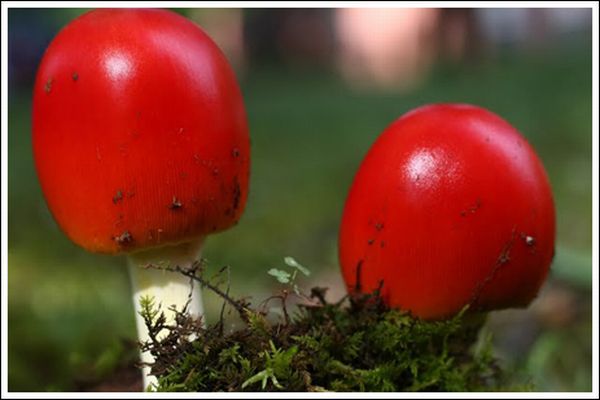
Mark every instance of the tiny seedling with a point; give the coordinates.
(289, 278)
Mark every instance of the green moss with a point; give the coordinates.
(355, 344)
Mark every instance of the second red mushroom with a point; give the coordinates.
(450, 207)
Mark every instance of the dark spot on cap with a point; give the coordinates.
(382, 244)
(235, 152)
(472, 209)
(118, 196)
(379, 226)
(75, 76)
(228, 211)
(175, 204)
(48, 85)
(237, 193)
(215, 171)
(370, 241)
(214, 227)
(124, 238)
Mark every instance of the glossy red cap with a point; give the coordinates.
(140, 135)
(451, 206)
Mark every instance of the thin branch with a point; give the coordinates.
(221, 316)
(357, 285)
(192, 273)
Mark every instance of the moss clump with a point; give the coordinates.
(355, 344)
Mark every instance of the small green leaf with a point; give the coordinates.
(261, 376)
(148, 309)
(282, 276)
(275, 382)
(230, 354)
(294, 264)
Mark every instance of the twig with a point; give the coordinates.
(282, 297)
(192, 273)
(221, 317)
(319, 293)
(357, 285)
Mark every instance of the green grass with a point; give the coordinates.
(309, 133)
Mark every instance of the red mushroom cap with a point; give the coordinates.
(451, 206)
(140, 135)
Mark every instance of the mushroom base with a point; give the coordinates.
(167, 289)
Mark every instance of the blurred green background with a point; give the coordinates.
(316, 100)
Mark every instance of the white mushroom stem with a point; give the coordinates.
(166, 287)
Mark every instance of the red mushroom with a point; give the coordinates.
(450, 207)
(141, 142)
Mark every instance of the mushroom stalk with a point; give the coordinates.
(168, 288)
